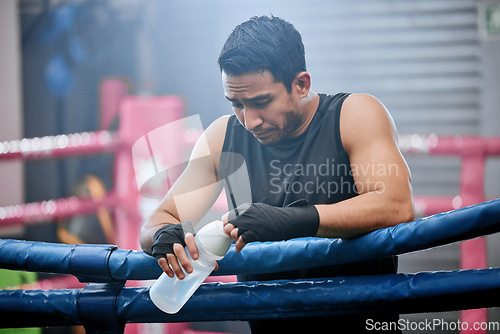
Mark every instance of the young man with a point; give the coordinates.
(318, 165)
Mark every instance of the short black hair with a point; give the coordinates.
(264, 43)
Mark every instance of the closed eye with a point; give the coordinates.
(262, 104)
(237, 105)
(260, 101)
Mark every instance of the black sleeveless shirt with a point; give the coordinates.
(313, 166)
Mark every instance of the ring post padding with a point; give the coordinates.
(97, 308)
(89, 263)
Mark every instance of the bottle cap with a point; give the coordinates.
(213, 238)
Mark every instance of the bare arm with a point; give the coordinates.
(190, 197)
(380, 173)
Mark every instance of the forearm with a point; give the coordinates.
(362, 214)
(158, 219)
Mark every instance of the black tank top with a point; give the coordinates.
(313, 166)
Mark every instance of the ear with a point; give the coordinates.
(302, 84)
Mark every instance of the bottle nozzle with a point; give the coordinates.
(213, 238)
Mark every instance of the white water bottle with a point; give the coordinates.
(170, 294)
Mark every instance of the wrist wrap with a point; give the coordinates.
(168, 235)
(262, 222)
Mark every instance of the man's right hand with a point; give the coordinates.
(168, 248)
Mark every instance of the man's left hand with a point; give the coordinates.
(262, 222)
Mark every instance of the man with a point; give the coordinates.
(318, 165)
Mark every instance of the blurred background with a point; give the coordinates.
(434, 64)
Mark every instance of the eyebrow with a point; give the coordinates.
(252, 99)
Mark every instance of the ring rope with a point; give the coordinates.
(402, 293)
(439, 229)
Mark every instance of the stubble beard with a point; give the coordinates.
(293, 120)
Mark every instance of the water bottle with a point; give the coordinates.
(170, 294)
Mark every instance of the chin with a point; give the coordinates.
(271, 140)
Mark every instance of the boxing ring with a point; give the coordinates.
(106, 305)
(110, 295)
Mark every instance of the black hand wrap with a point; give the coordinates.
(168, 235)
(262, 222)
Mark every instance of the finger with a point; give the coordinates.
(228, 228)
(234, 234)
(163, 263)
(183, 259)
(224, 218)
(216, 266)
(175, 265)
(239, 244)
(191, 245)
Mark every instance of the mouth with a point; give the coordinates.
(262, 134)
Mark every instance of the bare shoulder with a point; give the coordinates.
(219, 125)
(364, 118)
(216, 132)
(364, 109)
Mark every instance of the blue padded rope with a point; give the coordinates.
(93, 306)
(400, 293)
(39, 308)
(403, 293)
(89, 263)
(439, 229)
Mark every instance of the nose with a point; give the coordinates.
(252, 119)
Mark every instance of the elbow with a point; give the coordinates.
(408, 215)
(145, 240)
(406, 211)
(399, 211)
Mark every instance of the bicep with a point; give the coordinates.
(369, 135)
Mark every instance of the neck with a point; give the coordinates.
(308, 106)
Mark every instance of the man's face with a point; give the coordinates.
(263, 106)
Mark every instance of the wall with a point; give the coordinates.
(11, 173)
